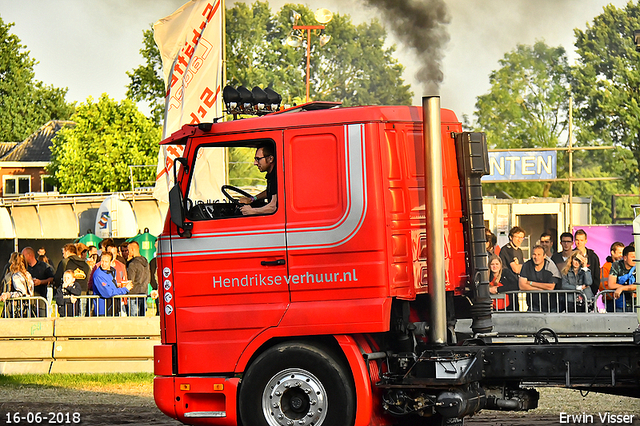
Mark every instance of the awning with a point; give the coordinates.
(149, 215)
(44, 221)
(6, 225)
(68, 217)
(58, 221)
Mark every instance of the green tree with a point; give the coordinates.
(598, 164)
(25, 103)
(606, 82)
(354, 67)
(526, 107)
(147, 83)
(528, 103)
(95, 155)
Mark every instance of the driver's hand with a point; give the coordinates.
(244, 200)
(247, 210)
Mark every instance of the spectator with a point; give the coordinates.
(616, 255)
(121, 275)
(43, 252)
(124, 256)
(593, 262)
(92, 250)
(501, 281)
(511, 254)
(566, 242)
(153, 276)
(539, 274)
(104, 243)
(622, 279)
(42, 275)
(66, 297)
(71, 260)
(92, 259)
(82, 250)
(138, 273)
(491, 243)
(121, 269)
(103, 282)
(547, 244)
(45, 259)
(576, 276)
(21, 286)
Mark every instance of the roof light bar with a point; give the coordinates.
(250, 102)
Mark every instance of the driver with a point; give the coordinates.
(265, 160)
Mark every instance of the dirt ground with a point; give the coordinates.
(135, 406)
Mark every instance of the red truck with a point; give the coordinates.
(338, 308)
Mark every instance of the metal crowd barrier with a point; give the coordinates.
(559, 301)
(545, 301)
(130, 305)
(26, 307)
(606, 302)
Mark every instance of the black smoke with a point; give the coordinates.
(421, 26)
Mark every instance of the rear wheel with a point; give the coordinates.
(297, 384)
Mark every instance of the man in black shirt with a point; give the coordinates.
(265, 161)
(560, 257)
(539, 274)
(511, 254)
(42, 275)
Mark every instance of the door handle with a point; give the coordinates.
(273, 262)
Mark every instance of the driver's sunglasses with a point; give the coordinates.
(258, 158)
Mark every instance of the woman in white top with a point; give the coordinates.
(21, 286)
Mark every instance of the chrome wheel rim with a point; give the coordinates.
(294, 397)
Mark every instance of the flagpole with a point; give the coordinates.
(224, 79)
(224, 43)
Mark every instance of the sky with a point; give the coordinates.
(88, 46)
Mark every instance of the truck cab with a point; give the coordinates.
(322, 311)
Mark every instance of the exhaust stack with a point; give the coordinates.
(434, 218)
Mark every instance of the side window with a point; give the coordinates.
(317, 193)
(16, 185)
(224, 181)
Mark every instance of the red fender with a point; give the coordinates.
(368, 413)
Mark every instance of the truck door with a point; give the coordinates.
(229, 283)
(333, 252)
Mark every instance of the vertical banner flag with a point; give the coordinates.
(190, 41)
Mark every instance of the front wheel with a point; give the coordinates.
(297, 383)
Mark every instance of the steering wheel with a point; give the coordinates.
(225, 188)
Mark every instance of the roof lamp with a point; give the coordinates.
(294, 40)
(324, 39)
(323, 15)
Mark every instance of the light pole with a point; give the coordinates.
(323, 16)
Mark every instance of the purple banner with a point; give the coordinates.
(600, 237)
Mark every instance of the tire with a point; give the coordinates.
(297, 383)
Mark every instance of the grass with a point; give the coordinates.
(123, 383)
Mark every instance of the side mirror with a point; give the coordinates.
(185, 165)
(177, 206)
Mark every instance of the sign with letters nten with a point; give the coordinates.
(521, 165)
